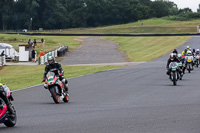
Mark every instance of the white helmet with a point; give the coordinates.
(179, 55)
(189, 52)
(197, 50)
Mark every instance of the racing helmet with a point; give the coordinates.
(179, 56)
(189, 53)
(188, 47)
(172, 56)
(51, 60)
(197, 51)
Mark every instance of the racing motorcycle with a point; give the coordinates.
(6, 117)
(189, 63)
(56, 88)
(181, 66)
(174, 74)
(197, 60)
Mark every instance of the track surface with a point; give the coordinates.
(133, 99)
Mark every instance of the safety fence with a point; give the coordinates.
(57, 53)
(2, 60)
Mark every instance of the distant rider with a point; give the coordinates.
(197, 52)
(191, 56)
(182, 60)
(185, 51)
(175, 52)
(57, 69)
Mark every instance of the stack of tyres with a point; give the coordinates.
(59, 53)
(62, 51)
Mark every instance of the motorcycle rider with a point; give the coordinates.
(3, 95)
(197, 52)
(172, 58)
(185, 51)
(57, 69)
(193, 52)
(175, 51)
(182, 60)
(190, 55)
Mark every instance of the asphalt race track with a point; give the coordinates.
(133, 99)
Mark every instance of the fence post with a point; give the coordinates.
(56, 55)
(1, 64)
(4, 60)
(45, 58)
(42, 59)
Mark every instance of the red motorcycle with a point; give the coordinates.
(6, 117)
(56, 88)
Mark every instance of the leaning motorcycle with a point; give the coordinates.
(6, 117)
(181, 67)
(197, 60)
(189, 62)
(174, 68)
(56, 88)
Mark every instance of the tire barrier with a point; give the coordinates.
(62, 51)
(57, 53)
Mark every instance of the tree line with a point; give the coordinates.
(63, 14)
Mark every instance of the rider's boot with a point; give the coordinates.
(66, 89)
(10, 109)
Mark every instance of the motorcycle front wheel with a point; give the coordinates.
(55, 96)
(11, 119)
(174, 78)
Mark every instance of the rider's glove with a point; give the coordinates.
(60, 74)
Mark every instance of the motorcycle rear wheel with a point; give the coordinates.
(189, 69)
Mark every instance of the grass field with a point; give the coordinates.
(16, 77)
(147, 48)
(150, 26)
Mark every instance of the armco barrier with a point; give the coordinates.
(57, 53)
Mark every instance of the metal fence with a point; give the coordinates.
(44, 59)
(2, 60)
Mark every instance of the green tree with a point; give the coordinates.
(6, 12)
(198, 10)
(185, 10)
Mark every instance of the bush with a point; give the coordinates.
(184, 16)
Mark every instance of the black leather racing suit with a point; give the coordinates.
(57, 69)
(169, 61)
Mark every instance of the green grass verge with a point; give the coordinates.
(147, 48)
(16, 77)
(150, 26)
(51, 42)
